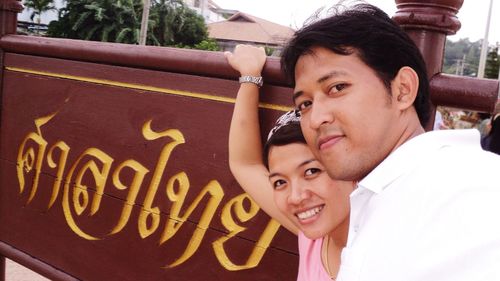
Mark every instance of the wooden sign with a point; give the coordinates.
(120, 173)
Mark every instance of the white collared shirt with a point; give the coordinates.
(430, 211)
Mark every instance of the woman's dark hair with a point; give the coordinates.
(289, 133)
(368, 32)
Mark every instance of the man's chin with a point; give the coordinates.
(339, 171)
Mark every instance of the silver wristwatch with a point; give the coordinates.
(252, 79)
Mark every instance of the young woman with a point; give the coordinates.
(287, 182)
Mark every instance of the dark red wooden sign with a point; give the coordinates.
(113, 165)
(116, 173)
(113, 158)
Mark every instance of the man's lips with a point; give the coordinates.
(328, 141)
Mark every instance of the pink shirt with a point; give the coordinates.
(310, 265)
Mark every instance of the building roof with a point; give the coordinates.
(213, 5)
(248, 28)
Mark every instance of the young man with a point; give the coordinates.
(427, 204)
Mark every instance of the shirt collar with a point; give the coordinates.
(414, 151)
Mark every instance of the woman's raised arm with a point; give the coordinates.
(245, 147)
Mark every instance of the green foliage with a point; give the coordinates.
(170, 23)
(269, 50)
(39, 7)
(207, 45)
(492, 64)
(455, 53)
(99, 20)
(191, 29)
(462, 58)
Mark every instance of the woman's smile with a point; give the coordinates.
(307, 214)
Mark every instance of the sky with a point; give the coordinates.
(473, 14)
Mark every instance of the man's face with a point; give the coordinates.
(348, 115)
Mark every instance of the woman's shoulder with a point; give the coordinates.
(310, 264)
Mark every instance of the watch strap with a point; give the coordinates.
(257, 80)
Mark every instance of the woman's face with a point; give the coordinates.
(305, 193)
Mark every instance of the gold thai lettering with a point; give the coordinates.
(64, 148)
(95, 166)
(215, 193)
(237, 205)
(27, 161)
(80, 191)
(140, 172)
(149, 212)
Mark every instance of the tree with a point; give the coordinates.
(208, 45)
(455, 53)
(99, 20)
(172, 23)
(39, 7)
(492, 64)
(472, 59)
(190, 28)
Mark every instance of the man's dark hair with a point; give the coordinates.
(288, 134)
(367, 31)
(493, 137)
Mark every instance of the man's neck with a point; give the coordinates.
(410, 131)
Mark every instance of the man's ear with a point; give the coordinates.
(405, 87)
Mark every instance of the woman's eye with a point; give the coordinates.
(312, 171)
(278, 183)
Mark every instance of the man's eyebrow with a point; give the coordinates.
(322, 79)
(331, 74)
(273, 175)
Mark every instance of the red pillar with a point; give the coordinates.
(8, 16)
(8, 25)
(428, 22)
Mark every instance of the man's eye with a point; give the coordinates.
(337, 88)
(312, 171)
(278, 184)
(302, 106)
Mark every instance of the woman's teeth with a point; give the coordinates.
(309, 213)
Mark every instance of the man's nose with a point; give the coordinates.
(320, 113)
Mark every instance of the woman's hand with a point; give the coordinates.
(247, 59)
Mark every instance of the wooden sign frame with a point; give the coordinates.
(113, 158)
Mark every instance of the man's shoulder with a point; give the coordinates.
(456, 149)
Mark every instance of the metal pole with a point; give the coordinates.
(144, 22)
(484, 48)
(463, 65)
(498, 53)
